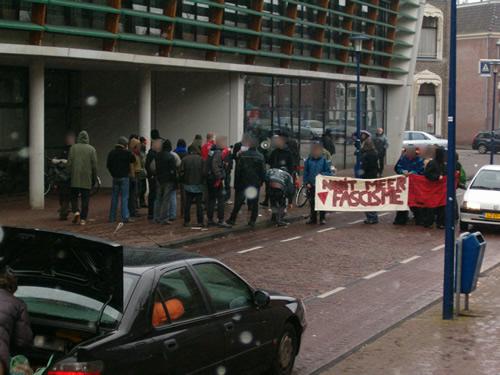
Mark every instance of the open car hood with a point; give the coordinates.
(84, 265)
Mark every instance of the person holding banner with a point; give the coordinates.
(409, 163)
(435, 170)
(315, 165)
(369, 170)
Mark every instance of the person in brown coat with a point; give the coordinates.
(15, 327)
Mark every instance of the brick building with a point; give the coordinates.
(478, 32)
(429, 101)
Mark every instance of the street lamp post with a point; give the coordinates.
(357, 41)
(493, 113)
(449, 250)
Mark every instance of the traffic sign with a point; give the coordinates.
(485, 66)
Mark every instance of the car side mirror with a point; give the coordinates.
(261, 298)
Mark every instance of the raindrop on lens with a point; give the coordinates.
(361, 172)
(23, 153)
(221, 370)
(14, 136)
(246, 337)
(251, 192)
(61, 254)
(91, 100)
(236, 317)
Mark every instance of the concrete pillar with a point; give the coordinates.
(145, 103)
(36, 134)
(237, 107)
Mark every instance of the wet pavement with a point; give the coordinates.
(426, 344)
(357, 281)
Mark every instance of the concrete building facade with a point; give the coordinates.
(478, 32)
(115, 67)
(429, 105)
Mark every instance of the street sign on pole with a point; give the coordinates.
(485, 67)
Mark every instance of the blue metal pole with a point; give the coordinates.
(358, 114)
(493, 115)
(449, 253)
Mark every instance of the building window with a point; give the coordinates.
(428, 40)
(431, 37)
(306, 109)
(425, 119)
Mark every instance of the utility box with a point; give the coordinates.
(473, 247)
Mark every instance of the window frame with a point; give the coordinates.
(207, 294)
(152, 296)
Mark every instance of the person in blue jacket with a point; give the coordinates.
(315, 165)
(409, 163)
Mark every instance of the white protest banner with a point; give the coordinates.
(351, 194)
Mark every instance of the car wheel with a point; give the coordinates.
(464, 227)
(286, 352)
(482, 149)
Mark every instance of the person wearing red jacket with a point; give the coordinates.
(205, 149)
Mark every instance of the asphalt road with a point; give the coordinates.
(357, 280)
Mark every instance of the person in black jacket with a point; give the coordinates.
(434, 171)
(248, 178)
(166, 178)
(215, 177)
(64, 180)
(150, 166)
(369, 168)
(280, 157)
(193, 178)
(120, 165)
(15, 328)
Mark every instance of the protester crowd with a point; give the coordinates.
(161, 177)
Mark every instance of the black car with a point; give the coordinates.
(482, 142)
(100, 308)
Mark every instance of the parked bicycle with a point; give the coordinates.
(56, 173)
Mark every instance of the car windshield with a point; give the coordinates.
(487, 180)
(64, 304)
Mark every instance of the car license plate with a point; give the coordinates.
(491, 215)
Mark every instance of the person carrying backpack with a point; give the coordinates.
(281, 190)
(215, 189)
(315, 165)
(166, 176)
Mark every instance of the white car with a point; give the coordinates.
(422, 139)
(481, 204)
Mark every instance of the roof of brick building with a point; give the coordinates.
(479, 17)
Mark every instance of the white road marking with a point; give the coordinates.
(411, 259)
(356, 222)
(384, 214)
(375, 274)
(291, 239)
(326, 229)
(331, 292)
(248, 250)
(438, 248)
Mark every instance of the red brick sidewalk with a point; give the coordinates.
(428, 345)
(15, 211)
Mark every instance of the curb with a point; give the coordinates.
(225, 233)
(383, 332)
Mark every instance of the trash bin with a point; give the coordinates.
(473, 247)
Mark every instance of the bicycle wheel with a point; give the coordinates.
(301, 198)
(47, 184)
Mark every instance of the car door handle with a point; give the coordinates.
(229, 326)
(171, 345)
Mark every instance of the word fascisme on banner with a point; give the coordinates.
(351, 194)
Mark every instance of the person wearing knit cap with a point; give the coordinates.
(120, 164)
